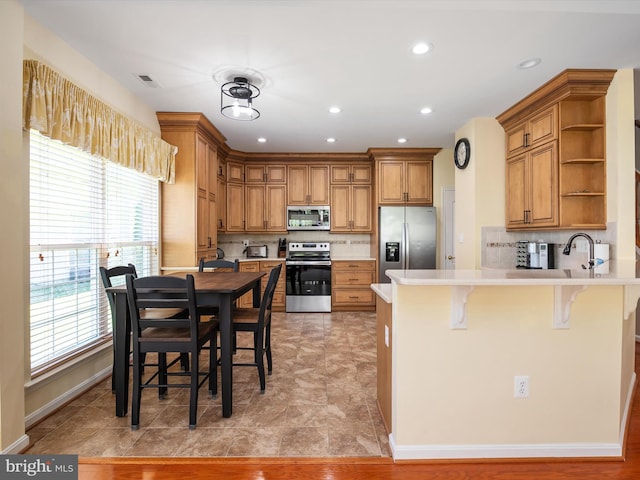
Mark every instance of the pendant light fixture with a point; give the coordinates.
(236, 99)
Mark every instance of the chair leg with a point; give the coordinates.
(136, 394)
(213, 365)
(267, 348)
(193, 398)
(259, 358)
(184, 362)
(162, 377)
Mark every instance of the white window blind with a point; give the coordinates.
(84, 212)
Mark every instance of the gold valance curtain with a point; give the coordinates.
(62, 111)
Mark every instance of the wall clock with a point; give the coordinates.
(461, 153)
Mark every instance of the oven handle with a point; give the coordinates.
(308, 262)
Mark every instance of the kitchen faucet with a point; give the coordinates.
(567, 249)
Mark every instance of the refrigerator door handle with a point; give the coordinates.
(405, 240)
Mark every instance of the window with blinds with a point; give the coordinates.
(85, 212)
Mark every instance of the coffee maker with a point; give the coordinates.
(535, 255)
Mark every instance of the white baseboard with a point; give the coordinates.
(69, 395)
(17, 446)
(550, 450)
(459, 452)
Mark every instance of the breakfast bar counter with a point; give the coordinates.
(509, 363)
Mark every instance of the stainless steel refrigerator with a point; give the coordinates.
(407, 238)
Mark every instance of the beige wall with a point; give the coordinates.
(621, 162)
(14, 183)
(453, 390)
(480, 189)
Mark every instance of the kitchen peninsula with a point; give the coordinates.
(507, 363)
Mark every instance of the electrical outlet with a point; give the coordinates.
(245, 243)
(521, 386)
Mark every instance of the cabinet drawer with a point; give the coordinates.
(249, 267)
(353, 278)
(352, 266)
(353, 296)
(268, 265)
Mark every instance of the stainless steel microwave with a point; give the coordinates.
(310, 217)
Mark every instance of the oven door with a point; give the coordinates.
(308, 286)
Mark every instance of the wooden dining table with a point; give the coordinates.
(219, 289)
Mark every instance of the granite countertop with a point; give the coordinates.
(622, 274)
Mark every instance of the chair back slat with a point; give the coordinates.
(162, 302)
(219, 265)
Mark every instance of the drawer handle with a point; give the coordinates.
(353, 279)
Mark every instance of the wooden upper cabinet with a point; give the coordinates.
(265, 209)
(539, 129)
(308, 184)
(532, 188)
(405, 182)
(235, 172)
(354, 173)
(555, 149)
(261, 173)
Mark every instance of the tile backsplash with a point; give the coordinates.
(499, 246)
(342, 245)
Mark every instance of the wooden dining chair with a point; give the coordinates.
(106, 274)
(258, 322)
(167, 332)
(219, 265)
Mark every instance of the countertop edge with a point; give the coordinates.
(383, 290)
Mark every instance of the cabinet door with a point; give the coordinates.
(297, 186)
(419, 183)
(544, 185)
(361, 174)
(543, 128)
(340, 208)
(275, 207)
(515, 191)
(391, 182)
(361, 208)
(221, 205)
(202, 193)
(235, 172)
(235, 207)
(254, 211)
(254, 174)
(318, 185)
(340, 174)
(276, 173)
(515, 138)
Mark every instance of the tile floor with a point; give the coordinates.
(319, 401)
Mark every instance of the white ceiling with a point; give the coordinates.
(307, 55)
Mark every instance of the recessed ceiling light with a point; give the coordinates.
(262, 140)
(421, 48)
(402, 140)
(529, 63)
(331, 140)
(335, 109)
(425, 111)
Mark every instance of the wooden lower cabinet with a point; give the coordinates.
(351, 285)
(246, 301)
(383, 350)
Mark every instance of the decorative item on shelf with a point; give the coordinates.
(236, 99)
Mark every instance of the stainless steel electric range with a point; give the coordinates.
(308, 275)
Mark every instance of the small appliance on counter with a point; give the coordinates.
(282, 248)
(535, 255)
(256, 251)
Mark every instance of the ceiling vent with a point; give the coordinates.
(148, 81)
